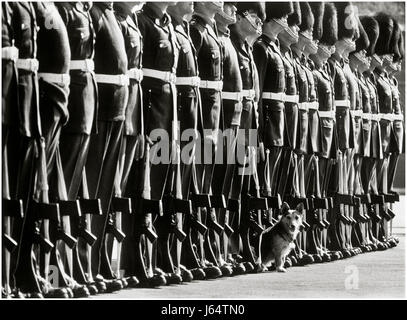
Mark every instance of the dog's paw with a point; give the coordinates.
(281, 269)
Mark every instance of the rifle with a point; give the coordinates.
(119, 206)
(88, 208)
(12, 209)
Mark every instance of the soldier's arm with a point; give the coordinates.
(96, 16)
(197, 38)
(63, 12)
(260, 59)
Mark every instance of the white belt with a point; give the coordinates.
(207, 84)
(58, 78)
(117, 79)
(386, 116)
(188, 81)
(375, 117)
(398, 117)
(367, 116)
(313, 105)
(135, 74)
(237, 96)
(291, 98)
(327, 114)
(9, 53)
(273, 96)
(356, 113)
(84, 65)
(342, 103)
(27, 64)
(165, 76)
(303, 106)
(248, 94)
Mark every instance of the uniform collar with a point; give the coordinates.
(224, 31)
(204, 19)
(156, 16)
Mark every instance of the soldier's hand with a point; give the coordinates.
(140, 146)
(261, 154)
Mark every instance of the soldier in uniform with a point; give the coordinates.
(385, 105)
(298, 103)
(131, 151)
(31, 274)
(12, 206)
(397, 127)
(319, 123)
(188, 103)
(337, 62)
(272, 85)
(160, 58)
(104, 148)
(358, 64)
(208, 51)
(369, 165)
(398, 120)
(327, 36)
(229, 122)
(250, 17)
(82, 108)
(305, 160)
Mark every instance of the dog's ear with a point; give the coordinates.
(300, 207)
(285, 208)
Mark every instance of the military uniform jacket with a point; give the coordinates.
(208, 50)
(355, 104)
(110, 58)
(160, 52)
(9, 93)
(376, 147)
(343, 121)
(385, 99)
(366, 107)
(188, 104)
(297, 125)
(133, 41)
(82, 100)
(314, 132)
(398, 125)
(325, 95)
(25, 32)
(232, 82)
(248, 72)
(270, 67)
(54, 56)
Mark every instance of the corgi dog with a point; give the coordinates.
(276, 242)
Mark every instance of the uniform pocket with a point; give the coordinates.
(164, 55)
(215, 59)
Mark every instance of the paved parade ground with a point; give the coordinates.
(371, 275)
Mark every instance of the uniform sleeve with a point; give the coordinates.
(197, 38)
(260, 60)
(96, 18)
(63, 12)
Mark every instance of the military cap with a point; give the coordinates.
(277, 10)
(347, 24)
(362, 43)
(256, 7)
(307, 17)
(385, 32)
(295, 17)
(317, 9)
(329, 26)
(371, 27)
(394, 41)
